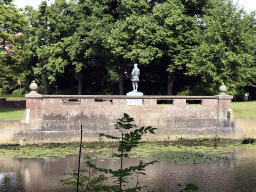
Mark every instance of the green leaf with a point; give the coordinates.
(191, 186)
(126, 115)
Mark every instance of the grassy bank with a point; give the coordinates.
(243, 109)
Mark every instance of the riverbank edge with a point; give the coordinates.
(10, 127)
(114, 143)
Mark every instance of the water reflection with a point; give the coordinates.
(9, 181)
(21, 174)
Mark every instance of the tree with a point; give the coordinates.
(39, 39)
(85, 25)
(226, 52)
(178, 37)
(123, 35)
(14, 51)
(64, 22)
(48, 27)
(164, 34)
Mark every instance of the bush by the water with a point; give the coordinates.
(248, 141)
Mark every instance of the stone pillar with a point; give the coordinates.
(32, 115)
(224, 103)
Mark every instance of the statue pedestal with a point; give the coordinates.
(134, 101)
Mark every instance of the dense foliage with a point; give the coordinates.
(227, 49)
(183, 47)
(14, 51)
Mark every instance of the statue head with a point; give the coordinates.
(135, 65)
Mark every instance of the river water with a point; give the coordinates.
(44, 175)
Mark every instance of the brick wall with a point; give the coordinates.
(35, 108)
(12, 104)
(59, 117)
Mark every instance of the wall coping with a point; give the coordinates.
(131, 97)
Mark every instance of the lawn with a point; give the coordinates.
(13, 97)
(242, 109)
(11, 113)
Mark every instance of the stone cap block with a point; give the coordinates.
(224, 96)
(129, 97)
(33, 94)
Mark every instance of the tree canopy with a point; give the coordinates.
(184, 44)
(14, 51)
(227, 48)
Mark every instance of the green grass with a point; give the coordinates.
(244, 109)
(13, 97)
(11, 113)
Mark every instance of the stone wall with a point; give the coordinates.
(58, 118)
(12, 104)
(246, 127)
(8, 129)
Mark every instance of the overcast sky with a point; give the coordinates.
(249, 5)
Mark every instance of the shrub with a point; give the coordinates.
(216, 137)
(40, 89)
(204, 139)
(23, 91)
(126, 143)
(3, 91)
(228, 115)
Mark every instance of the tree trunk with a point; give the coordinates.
(80, 85)
(170, 82)
(121, 83)
(121, 77)
(46, 83)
